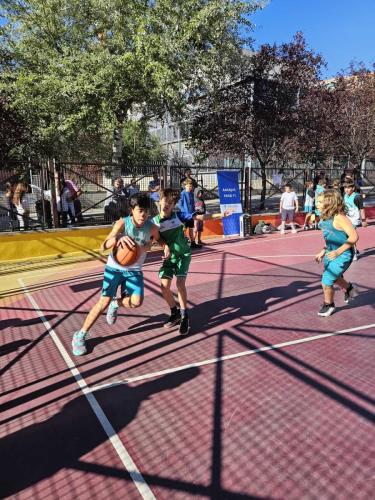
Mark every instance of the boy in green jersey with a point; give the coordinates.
(171, 228)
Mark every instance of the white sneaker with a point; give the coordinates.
(282, 231)
(294, 231)
(111, 316)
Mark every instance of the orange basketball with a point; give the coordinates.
(126, 255)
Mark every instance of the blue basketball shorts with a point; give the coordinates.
(131, 282)
(334, 269)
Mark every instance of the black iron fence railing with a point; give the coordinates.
(46, 194)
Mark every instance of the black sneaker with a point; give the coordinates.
(173, 320)
(195, 245)
(327, 310)
(184, 326)
(350, 293)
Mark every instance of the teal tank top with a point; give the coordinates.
(140, 235)
(334, 238)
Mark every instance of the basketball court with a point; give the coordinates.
(263, 400)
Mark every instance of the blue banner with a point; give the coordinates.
(230, 198)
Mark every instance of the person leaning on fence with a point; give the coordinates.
(66, 205)
(20, 203)
(288, 208)
(75, 193)
(116, 206)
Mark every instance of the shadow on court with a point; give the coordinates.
(13, 346)
(41, 450)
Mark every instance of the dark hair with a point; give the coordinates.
(172, 195)
(288, 185)
(139, 200)
(348, 184)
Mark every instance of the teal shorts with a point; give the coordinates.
(334, 269)
(175, 266)
(131, 282)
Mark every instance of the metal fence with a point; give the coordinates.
(41, 185)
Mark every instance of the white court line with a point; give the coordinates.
(231, 356)
(120, 449)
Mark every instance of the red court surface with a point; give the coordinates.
(263, 400)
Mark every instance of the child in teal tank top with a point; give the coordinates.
(136, 229)
(340, 236)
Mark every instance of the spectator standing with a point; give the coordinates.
(154, 190)
(116, 205)
(200, 209)
(187, 205)
(288, 208)
(20, 202)
(133, 187)
(75, 193)
(188, 177)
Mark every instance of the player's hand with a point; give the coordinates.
(167, 253)
(228, 212)
(126, 240)
(332, 255)
(364, 224)
(320, 255)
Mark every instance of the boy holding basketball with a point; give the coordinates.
(178, 256)
(137, 229)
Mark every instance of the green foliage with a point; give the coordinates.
(75, 68)
(139, 145)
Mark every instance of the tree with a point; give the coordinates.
(83, 65)
(13, 132)
(353, 128)
(259, 115)
(139, 145)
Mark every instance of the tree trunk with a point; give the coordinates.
(264, 186)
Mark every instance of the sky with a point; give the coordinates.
(340, 30)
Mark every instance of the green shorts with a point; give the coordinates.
(175, 266)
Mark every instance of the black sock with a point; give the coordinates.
(183, 313)
(174, 310)
(350, 286)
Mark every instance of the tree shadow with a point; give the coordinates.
(41, 450)
(19, 323)
(13, 346)
(219, 311)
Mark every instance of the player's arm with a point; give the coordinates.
(157, 238)
(296, 202)
(342, 223)
(114, 236)
(216, 216)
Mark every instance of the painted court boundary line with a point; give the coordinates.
(117, 444)
(270, 347)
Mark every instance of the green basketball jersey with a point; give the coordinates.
(172, 231)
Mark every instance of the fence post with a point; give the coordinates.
(51, 165)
